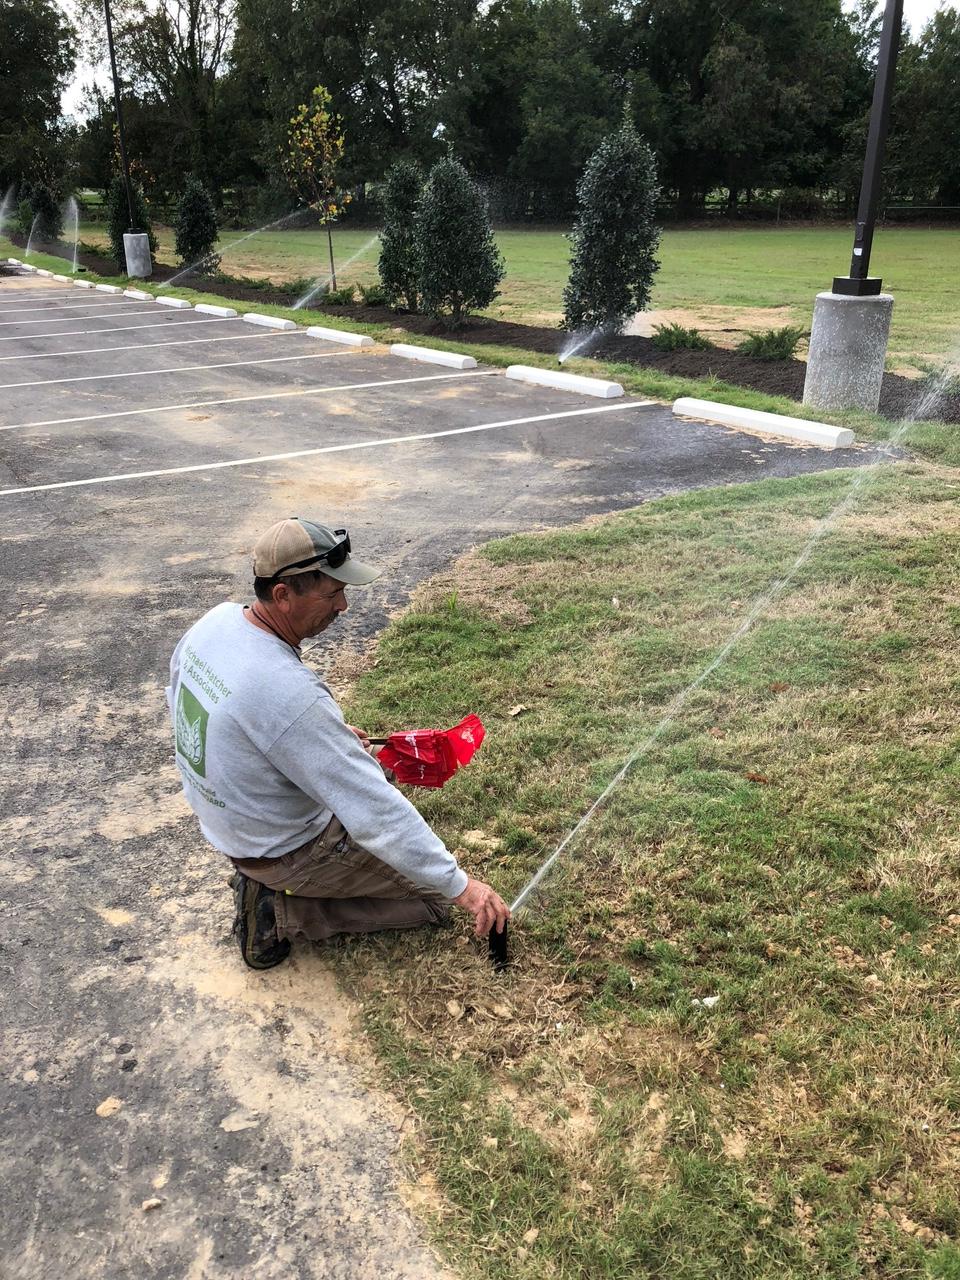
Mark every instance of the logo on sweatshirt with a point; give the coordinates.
(192, 731)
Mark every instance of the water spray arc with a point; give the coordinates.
(322, 284)
(33, 226)
(860, 478)
(72, 215)
(219, 252)
(578, 342)
(6, 205)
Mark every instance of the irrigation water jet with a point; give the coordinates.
(922, 408)
(268, 226)
(33, 227)
(578, 341)
(322, 284)
(5, 205)
(72, 214)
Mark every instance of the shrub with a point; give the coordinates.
(615, 236)
(674, 337)
(460, 264)
(339, 297)
(25, 216)
(46, 211)
(296, 287)
(373, 295)
(399, 264)
(195, 228)
(118, 220)
(773, 344)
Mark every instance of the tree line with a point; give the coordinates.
(740, 98)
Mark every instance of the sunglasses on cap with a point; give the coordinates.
(334, 557)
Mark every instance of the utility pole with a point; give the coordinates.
(851, 323)
(136, 243)
(859, 282)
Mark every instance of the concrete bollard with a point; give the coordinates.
(136, 250)
(848, 346)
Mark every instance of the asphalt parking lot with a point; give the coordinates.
(142, 449)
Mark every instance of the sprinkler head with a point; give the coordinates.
(498, 948)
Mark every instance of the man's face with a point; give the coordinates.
(317, 608)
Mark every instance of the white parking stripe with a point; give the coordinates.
(181, 368)
(619, 407)
(72, 319)
(73, 333)
(30, 295)
(269, 395)
(65, 306)
(150, 346)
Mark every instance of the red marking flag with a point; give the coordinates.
(429, 757)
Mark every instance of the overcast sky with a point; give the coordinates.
(915, 14)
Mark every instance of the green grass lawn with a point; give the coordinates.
(789, 847)
(719, 278)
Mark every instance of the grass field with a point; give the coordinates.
(789, 849)
(724, 280)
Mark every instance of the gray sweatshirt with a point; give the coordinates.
(267, 760)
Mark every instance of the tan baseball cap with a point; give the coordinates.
(300, 546)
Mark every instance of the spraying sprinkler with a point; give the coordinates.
(498, 948)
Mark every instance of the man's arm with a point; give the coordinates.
(484, 904)
(322, 756)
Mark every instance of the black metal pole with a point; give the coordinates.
(859, 283)
(119, 109)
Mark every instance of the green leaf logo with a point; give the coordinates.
(192, 731)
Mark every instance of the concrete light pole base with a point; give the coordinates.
(136, 249)
(848, 346)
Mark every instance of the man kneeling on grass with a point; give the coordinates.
(321, 841)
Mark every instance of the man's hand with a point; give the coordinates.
(362, 735)
(485, 905)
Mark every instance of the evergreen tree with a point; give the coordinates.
(399, 263)
(924, 154)
(461, 265)
(195, 227)
(24, 215)
(48, 219)
(119, 219)
(615, 236)
(38, 48)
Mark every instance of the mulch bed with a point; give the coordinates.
(898, 396)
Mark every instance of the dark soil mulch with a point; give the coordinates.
(898, 396)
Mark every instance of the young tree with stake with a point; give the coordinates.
(314, 151)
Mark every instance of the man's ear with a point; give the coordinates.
(280, 594)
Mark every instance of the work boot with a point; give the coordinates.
(256, 924)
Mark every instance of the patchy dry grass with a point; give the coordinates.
(789, 846)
